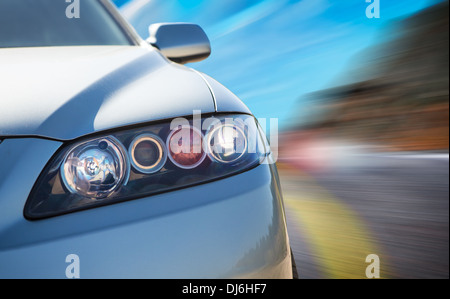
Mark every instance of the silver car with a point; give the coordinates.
(117, 161)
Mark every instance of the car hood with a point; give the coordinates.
(67, 92)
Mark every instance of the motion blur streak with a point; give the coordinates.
(378, 143)
(279, 50)
(334, 231)
(363, 105)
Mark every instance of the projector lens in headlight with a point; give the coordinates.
(226, 143)
(185, 145)
(95, 169)
(148, 154)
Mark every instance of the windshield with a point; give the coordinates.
(40, 23)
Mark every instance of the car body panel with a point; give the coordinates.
(225, 100)
(67, 92)
(206, 231)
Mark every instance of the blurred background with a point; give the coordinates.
(362, 106)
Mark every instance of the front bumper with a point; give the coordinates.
(232, 228)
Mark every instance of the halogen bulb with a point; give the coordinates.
(227, 137)
(91, 166)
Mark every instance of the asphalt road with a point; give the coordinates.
(394, 206)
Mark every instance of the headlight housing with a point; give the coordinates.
(143, 161)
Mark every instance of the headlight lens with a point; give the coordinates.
(95, 169)
(143, 161)
(226, 143)
(148, 154)
(185, 146)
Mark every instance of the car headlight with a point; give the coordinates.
(96, 168)
(139, 162)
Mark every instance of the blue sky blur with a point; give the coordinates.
(270, 53)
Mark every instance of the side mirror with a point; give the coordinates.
(180, 42)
